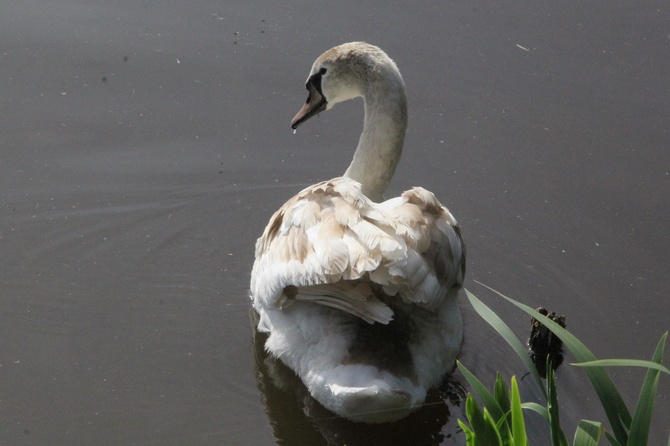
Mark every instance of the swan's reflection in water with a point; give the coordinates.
(298, 419)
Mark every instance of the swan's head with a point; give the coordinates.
(345, 72)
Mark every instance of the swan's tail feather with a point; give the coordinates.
(373, 404)
(356, 298)
(365, 394)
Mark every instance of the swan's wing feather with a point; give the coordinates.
(330, 238)
(356, 298)
(435, 259)
(311, 241)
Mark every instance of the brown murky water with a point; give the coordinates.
(144, 145)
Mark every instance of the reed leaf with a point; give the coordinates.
(518, 425)
(613, 441)
(482, 392)
(484, 431)
(639, 427)
(469, 434)
(588, 433)
(540, 410)
(501, 394)
(508, 335)
(558, 438)
(624, 363)
(612, 402)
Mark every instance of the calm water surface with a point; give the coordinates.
(144, 145)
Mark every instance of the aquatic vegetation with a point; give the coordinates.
(501, 421)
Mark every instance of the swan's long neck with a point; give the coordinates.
(380, 145)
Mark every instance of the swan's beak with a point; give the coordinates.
(314, 105)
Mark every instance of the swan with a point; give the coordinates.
(359, 295)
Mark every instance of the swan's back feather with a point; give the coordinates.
(329, 241)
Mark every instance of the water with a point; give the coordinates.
(145, 145)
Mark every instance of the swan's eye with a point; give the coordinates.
(315, 80)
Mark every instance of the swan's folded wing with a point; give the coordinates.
(331, 233)
(435, 258)
(322, 236)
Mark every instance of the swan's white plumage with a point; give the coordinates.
(331, 232)
(332, 262)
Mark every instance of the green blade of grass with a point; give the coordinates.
(624, 363)
(483, 426)
(615, 408)
(482, 392)
(500, 393)
(613, 441)
(558, 438)
(508, 335)
(492, 434)
(639, 427)
(501, 424)
(469, 435)
(588, 433)
(540, 410)
(518, 424)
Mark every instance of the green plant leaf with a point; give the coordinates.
(483, 428)
(623, 363)
(491, 435)
(615, 408)
(540, 410)
(558, 438)
(587, 433)
(501, 423)
(640, 425)
(482, 392)
(473, 412)
(613, 441)
(501, 394)
(507, 334)
(518, 424)
(469, 435)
